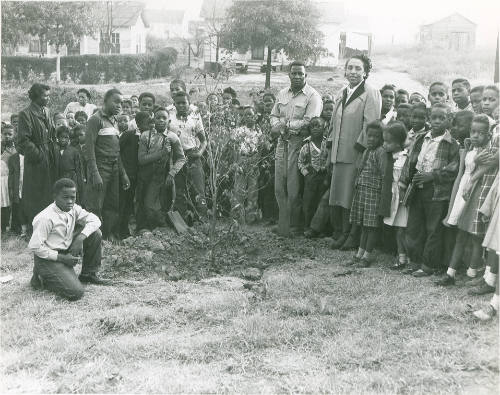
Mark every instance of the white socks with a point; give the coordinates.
(360, 253)
(403, 259)
(471, 272)
(451, 272)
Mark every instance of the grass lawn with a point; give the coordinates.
(308, 327)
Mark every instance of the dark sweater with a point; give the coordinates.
(129, 147)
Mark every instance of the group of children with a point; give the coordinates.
(428, 174)
(431, 175)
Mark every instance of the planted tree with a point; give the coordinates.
(288, 25)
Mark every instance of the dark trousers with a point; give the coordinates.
(313, 191)
(104, 201)
(424, 234)
(18, 217)
(126, 204)
(61, 279)
(322, 220)
(5, 220)
(190, 188)
(268, 203)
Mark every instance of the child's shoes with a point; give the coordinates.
(445, 281)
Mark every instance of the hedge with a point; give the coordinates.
(92, 69)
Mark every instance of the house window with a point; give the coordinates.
(74, 49)
(115, 44)
(34, 45)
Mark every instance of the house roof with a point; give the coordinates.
(126, 13)
(167, 17)
(450, 16)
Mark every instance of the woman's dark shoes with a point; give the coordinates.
(337, 243)
(349, 244)
(353, 261)
(311, 234)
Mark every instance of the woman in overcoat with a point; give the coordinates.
(36, 140)
(356, 105)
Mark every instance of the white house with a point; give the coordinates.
(342, 35)
(167, 24)
(128, 35)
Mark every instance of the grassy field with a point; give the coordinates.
(428, 65)
(309, 326)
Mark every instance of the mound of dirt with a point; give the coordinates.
(240, 252)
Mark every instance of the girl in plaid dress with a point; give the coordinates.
(471, 226)
(367, 194)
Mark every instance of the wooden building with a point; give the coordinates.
(454, 32)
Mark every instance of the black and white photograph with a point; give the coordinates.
(249, 197)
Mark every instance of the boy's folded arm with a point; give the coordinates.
(37, 243)
(178, 157)
(90, 221)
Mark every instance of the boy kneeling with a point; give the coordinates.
(62, 233)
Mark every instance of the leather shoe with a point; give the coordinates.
(421, 273)
(337, 243)
(445, 281)
(364, 263)
(310, 234)
(354, 260)
(483, 289)
(92, 278)
(349, 244)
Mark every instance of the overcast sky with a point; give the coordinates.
(394, 19)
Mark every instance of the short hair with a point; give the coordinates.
(231, 91)
(298, 63)
(462, 81)
(388, 87)
(397, 131)
(147, 94)
(317, 119)
(142, 116)
(269, 94)
(6, 126)
(443, 106)
(159, 108)
(376, 125)
(62, 130)
(58, 115)
(328, 102)
(180, 94)
(36, 90)
(248, 108)
(78, 127)
(127, 101)
(87, 93)
(479, 88)
(235, 102)
(177, 81)
(122, 115)
(12, 116)
(493, 88)
(62, 183)
(83, 114)
(468, 115)
(402, 92)
(418, 106)
(137, 97)
(482, 118)
(367, 63)
(405, 106)
(439, 83)
(111, 92)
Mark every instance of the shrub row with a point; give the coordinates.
(92, 69)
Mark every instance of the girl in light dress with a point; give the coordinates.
(394, 141)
